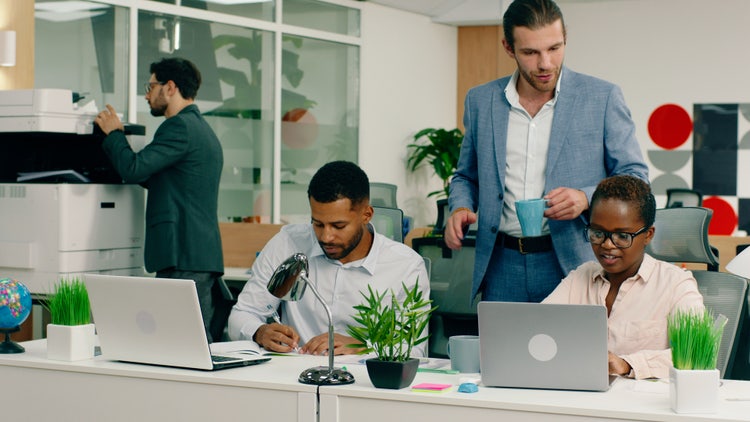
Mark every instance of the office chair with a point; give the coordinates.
(383, 195)
(450, 290)
(678, 197)
(682, 236)
(389, 222)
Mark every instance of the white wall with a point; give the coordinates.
(408, 83)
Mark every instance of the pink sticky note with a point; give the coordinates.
(430, 386)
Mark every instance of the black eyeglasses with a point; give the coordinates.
(622, 240)
(150, 85)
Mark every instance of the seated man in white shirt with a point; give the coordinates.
(345, 255)
(638, 290)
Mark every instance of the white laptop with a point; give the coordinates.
(548, 346)
(154, 321)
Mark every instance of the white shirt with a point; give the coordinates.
(526, 155)
(387, 265)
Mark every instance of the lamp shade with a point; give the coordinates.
(740, 264)
(7, 48)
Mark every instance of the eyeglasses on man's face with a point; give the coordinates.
(622, 240)
(150, 85)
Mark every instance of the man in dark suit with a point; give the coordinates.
(181, 168)
(543, 132)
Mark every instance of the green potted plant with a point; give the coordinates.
(391, 329)
(70, 334)
(440, 148)
(694, 338)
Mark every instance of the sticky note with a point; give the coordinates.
(430, 387)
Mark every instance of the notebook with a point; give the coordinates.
(548, 346)
(154, 321)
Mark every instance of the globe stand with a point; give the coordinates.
(10, 346)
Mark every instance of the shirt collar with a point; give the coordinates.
(368, 263)
(644, 272)
(511, 93)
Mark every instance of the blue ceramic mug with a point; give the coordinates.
(530, 214)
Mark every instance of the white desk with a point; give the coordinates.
(34, 388)
(626, 400)
(101, 390)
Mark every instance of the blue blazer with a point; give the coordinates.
(592, 137)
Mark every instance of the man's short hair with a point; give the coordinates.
(628, 189)
(182, 72)
(338, 180)
(532, 14)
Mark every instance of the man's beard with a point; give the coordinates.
(347, 248)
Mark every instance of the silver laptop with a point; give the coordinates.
(549, 346)
(154, 321)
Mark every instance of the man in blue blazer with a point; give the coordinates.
(545, 131)
(181, 168)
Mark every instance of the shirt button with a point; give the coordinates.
(493, 229)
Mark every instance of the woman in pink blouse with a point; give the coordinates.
(638, 290)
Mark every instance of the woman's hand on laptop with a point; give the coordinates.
(277, 338)
(618, 365)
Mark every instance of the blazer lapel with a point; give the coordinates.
(564, 113)
(500, 116)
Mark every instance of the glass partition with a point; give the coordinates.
(87, 50)
(320, 115)
(84, 49)
(236, 98)
(322, 16)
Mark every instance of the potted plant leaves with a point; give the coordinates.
(440, 148)
(694, 338)
(70, 334)
(391, 329)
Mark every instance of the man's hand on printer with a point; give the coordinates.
(108, 120)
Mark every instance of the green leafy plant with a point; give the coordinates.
(69, 303)
(440, 148)
(391, 330)
(694, 337)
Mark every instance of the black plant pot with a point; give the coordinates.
(393, 375)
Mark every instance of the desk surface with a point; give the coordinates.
(100, 389)
(626, 400)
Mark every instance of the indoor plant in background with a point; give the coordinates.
(391, 329)
(440, 148)
(70, 335)
(694, 338)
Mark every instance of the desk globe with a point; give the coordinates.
(15, 307)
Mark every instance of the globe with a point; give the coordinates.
(15, 303)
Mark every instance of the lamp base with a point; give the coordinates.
(323, 375)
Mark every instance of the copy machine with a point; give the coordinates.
(63, 208)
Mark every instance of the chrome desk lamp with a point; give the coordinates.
(288, 283)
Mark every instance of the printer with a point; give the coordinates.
(64, 210)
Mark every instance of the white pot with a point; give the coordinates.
(70, 342)
(694, 391)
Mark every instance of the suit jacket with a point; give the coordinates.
(592, 137)
(181, 169)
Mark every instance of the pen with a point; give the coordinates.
(275, 314)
